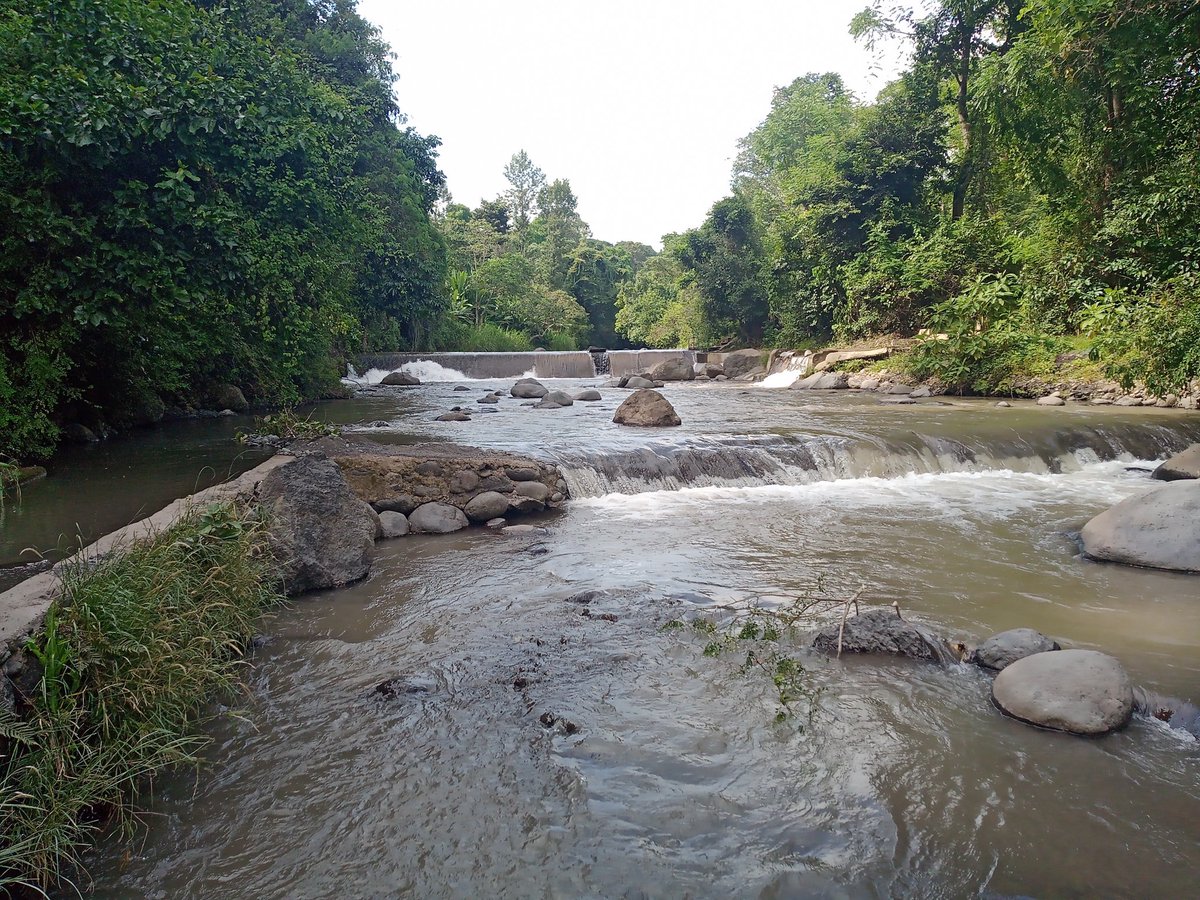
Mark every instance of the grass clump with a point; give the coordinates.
(288, 425)
(131, 656)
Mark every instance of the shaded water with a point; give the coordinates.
(673, 779)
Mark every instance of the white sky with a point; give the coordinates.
(639, 104)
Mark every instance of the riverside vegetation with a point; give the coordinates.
(129, 660)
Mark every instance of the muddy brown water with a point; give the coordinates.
(664, 773)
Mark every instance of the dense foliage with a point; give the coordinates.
(195, 192)
(525, 270)
(1034, 175)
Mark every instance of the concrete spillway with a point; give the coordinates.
(542, 363)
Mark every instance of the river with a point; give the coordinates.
(663, 772)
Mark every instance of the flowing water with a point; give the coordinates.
(663, 772)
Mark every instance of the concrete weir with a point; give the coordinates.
(542, 363)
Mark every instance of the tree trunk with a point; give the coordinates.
(963, 182)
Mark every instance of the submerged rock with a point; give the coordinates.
(1078, 691)
(437, 518)
(488, 398)
(400, 379)
(529, 389)
(1159, 529)
(1180, 467)
(1003, 649)
(637, 382)
(454, 416)
(883, 632)
(320, 533)
(647, 408)
(555, 400)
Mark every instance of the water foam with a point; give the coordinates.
(424, 369)
(780, 379)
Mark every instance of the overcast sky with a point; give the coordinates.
(639, 104)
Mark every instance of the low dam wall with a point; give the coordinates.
(542, 363)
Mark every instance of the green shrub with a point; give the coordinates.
(132, 653)
(1153, 339)
(453, 336)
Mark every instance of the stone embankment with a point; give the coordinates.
(326, 503)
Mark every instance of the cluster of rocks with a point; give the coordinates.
(1159, 528)
(1109, 393)
(1082, 692)
(530, 390)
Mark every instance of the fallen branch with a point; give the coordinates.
(845, 614)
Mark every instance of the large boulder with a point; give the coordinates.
(400, 379)
(1002, 650)
(1079, 691)
(678, 369)
(743, 362)
(1180, 467)
(1159, 529)
(228, 396)
(437, 518)
(883, 632)
(488, 505)
(647, 408)
(637, 382)
(589, 395)
(320, 533)
(529, 389)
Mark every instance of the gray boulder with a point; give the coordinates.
(921, 392)
(488, 398)
(1078, 691)
(453, 416)
(523, 505)
(486, 506)
(678, 369)
(555, 400)
(588, 395)
(647, 408)
(320, 534)
(869, 384)
(883, 632)
(637, 382)
(1003, 649)
(1159, 529)
(743, 362)
(534, 489)
(437, 518)
(1180, 467)
(228, 396)
(402, 503)
(823, 381)
(1051, 401)
(529, 389)
(898, 389)
(518, 474)
(464, 481)
(461, 387)
(394, 524)
(400, 379)
(712, 370)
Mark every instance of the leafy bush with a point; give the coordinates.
(989, 339)
(1154, 339)
(456, 336)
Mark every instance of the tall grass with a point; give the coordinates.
(132, 656)
(458, 336)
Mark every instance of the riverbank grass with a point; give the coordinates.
(131, 657)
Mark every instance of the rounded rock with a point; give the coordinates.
(486, 506)
(1077, 691)
(394, 524)
(437, 518)
(1002, 650)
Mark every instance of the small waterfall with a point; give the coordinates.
(783, 460)
(600, 362)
